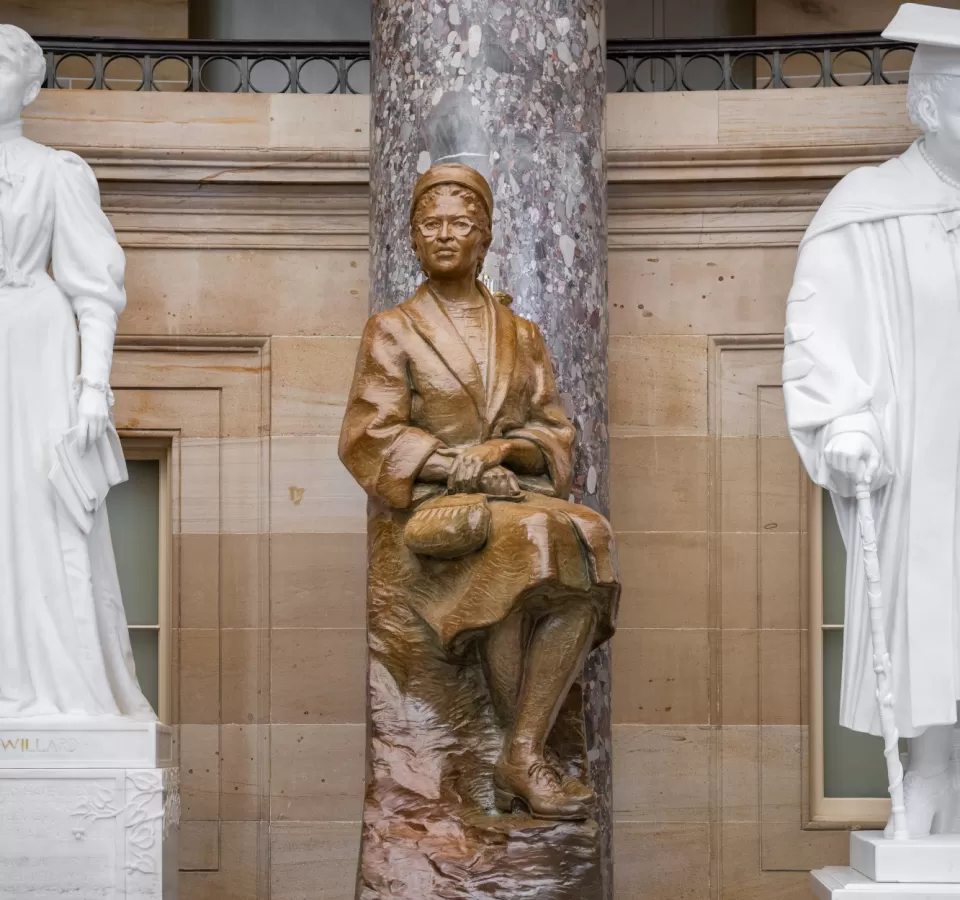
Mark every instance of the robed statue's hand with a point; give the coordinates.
(93, 412)
(469, 466)
(853, 455)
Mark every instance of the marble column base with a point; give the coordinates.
(845, 883)
(89, 833)
(934, 859)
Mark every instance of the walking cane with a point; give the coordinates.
(882, 665)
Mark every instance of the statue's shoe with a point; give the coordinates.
(538, 786)
(570, 785)
(930, 802)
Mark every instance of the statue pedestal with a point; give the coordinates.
(88, 809)
(921, 869)
(86, 743)
(934, 859)
(844, 883)
(480, 855)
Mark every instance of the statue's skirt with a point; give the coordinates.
(539, 551)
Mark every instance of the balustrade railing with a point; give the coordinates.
(824, 60)
(761, 61)
(221, 66)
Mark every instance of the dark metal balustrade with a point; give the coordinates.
(761, 61)
(222, 66)
(824, 60)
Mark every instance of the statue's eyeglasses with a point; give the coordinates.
(431, 227)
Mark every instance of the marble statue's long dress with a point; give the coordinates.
(64, 646)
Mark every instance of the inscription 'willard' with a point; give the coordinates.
(39, 745)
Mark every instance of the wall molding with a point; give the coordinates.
(227, 166)
(290, 172)
(350, 166)
(761, 162)
(324, 215)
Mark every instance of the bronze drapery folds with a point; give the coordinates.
(487, 588)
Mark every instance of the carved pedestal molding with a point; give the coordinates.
(108, 833)
(88, 808)
(86, 743)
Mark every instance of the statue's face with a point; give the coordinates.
(948, 117)
(13, 85)
(449, 242)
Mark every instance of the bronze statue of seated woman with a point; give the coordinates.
(487, 586)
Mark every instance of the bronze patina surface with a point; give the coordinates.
(487, 588)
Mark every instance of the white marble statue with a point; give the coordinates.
(871, 379)
(64, 646)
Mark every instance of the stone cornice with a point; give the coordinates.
(228, 165)
(245, 171)
(288, 201)
(744, 164)
(625, 166)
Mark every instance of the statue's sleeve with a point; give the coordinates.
(547, 425)
(88, 263)
(833, 352)
(378, 445)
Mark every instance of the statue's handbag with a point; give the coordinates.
(449, 526)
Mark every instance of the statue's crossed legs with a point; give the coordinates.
(530, 664)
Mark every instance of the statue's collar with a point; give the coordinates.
(11, 131)
(902, 186)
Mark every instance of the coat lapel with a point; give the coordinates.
(503, 341)
(434, 326)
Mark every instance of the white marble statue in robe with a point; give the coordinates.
(871, 380)
(64, 645)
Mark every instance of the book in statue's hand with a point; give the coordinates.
(83, 480)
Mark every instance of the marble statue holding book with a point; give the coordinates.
(69, 696)
(871, 377)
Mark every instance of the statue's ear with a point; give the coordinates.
(31, 94)
(930, 113)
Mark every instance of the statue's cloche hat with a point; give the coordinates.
(453, 173)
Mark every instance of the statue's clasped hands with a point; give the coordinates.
(853, 455)
(478, 470)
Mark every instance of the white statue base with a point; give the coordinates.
(845, 883)
(89, 743)
(88, 809)
(919, 869)
(934, 859)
